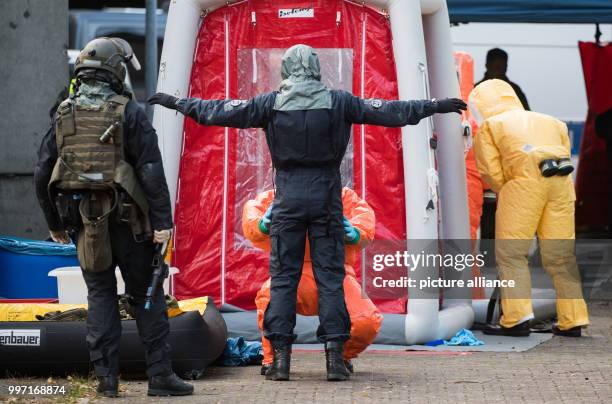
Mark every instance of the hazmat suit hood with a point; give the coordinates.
(301, 88)
(492, 97)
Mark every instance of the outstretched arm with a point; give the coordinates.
(253, 113)
(395, 113)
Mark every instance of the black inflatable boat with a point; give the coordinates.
(58, 347)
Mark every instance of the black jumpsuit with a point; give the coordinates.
(133, 258)
(307, 147)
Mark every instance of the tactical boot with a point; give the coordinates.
(519, 330)
(170, 385)
(108, 386)
(265, 368)
(281, 364)
(336, 370)
(572, 332)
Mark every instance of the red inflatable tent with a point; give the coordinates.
(354, 44)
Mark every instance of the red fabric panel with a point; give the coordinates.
(199, 205)
(384, 161)
(200, 200)
(592, 176)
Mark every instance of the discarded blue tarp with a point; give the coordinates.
(535, 11)
(35, 247)
(238, 352)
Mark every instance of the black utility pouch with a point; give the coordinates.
(94, 244)
(124, 208)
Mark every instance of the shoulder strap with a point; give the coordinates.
(64, 121)
(64, 106)
(122, 100)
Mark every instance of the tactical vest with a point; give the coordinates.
(90, 148)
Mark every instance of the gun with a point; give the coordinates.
(160, 272)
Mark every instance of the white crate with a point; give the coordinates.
(71, 286)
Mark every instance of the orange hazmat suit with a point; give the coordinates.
(465, 69)
(475, 189)
(365, 317)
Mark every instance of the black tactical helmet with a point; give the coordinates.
(108, 54)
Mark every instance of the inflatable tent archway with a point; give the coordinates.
(376, 49)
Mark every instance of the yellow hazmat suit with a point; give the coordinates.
(510, 145)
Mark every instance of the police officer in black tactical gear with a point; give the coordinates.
(308, 127)
(100, 180)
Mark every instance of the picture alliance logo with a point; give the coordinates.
(20, 337)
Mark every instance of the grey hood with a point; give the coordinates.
(301, 88)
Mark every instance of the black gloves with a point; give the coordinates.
(165, 100)
(450, 105)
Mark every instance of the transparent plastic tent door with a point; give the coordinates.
(259, 72)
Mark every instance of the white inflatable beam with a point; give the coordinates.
(182, 24)
(451, 155)
(425, 321)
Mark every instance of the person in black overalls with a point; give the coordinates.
(308, 127)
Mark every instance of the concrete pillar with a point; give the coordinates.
(34, 69)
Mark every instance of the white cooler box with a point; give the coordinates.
(71, 286)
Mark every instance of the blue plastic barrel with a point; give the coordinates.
(25, 264)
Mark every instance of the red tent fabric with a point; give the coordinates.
(237, 56)
(593, 176)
